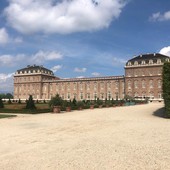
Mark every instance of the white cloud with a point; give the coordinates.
(80, 70)
(118, 61)
(4, 37)
(79, 77)
(37, 58)
(56, 68)
(42, 56)
(4, 77)
(160, 17)
(165, 51)
(6, 82)
(64, 16)
(96, 74)
(18, 40)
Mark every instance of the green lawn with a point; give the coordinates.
(6, 116)
(20, 108)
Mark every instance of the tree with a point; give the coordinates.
(166, 88)
(30, 103)
(1, 103)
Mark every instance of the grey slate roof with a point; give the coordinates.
(147, 57)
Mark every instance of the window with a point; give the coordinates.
(68, 86)
(159, 61)
(167, 59)
(136, 94)
(109, 95)
(142, 72)
(159, 84)
(129, 64)
(135, 63)
(88, 85)
(129, 84)
(102, 85)
(150, 61)
(74, 86)
(95, 85)
(151, 95)
(102, 96)
(88, 96)
(74, 95)
(95, 96)
(81, 86)
(151, 83)
(116, 85)
(160, 95)
(143, 84)
(143, 95)
(81, 96)
(136, 84)
(62, 86)
(159, 71)
(109, 85)
(68, 96)
(143, 62)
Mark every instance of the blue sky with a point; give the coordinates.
(80, 38)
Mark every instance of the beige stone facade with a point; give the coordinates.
(143, 78)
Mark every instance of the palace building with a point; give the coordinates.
(142, 79)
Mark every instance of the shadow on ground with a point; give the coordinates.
(160, 113)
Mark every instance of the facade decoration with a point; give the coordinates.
(142, 79)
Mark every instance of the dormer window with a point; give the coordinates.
(143, 62)
(129, 64)
(135, 63)
(159, 61)
(167, 59)
(150, 61)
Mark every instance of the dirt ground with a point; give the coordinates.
(120, 138)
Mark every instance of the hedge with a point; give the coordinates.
(166, 88)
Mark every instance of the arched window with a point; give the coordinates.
(136, 84)
(143, 84)
(159, 84)
(159, 61)
(129, 85)
(150, 83)
(143, 62)
(135, 63)
(150, 61)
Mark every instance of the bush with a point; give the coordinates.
(30, 104)
(1, 103)
(19, 101)
(166, 88)
(80, 104)
(56, 101)
(99, 102)
(9, 101)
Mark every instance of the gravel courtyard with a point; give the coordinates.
(120, 138)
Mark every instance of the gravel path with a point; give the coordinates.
(130, 138)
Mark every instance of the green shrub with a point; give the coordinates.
(56, 101)
(80, 104)
(30, 104)
(9, 101)
(1, 103)
(19, 101)
(166, 88)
